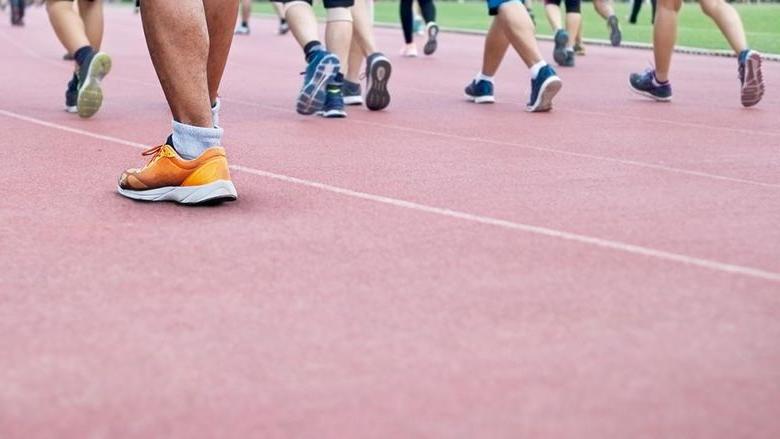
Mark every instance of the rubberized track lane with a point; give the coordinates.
(301, 312)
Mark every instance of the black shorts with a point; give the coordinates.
(329, 4)
(572, 6)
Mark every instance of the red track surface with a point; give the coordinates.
(440, 269)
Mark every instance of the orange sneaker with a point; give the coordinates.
(168, 177)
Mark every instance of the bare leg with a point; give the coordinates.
(303, 23)
(246, 11)
(362, 39)
(519, 31)
(727, 19)
(181, 63)
(338, 36)
(573, 21)
(220, 19)
(664, 36)
(496, 44)
(92, 16)
(553, 13)
(67, 25)
(278, 8)
(604, 8)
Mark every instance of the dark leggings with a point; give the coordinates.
(428, 10)
(635, 10)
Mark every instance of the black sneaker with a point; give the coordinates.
(352, 92)
(72, 95)
(559, 52)
(378, 69)
(90, 74)
(334, 101)
(615, 36)
(433, 32)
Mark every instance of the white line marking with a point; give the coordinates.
(535, 148)
(479, 219)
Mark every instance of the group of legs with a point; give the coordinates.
(191, 165)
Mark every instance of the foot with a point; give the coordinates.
(352, 93)
(645, 84)
(569, 57)
(543, 89)
(283, 27)
(480, 92)
(242, 30)
(433, 31)
(91, 74)
(409, 50)
(72, 95)
(322, 68)
(334, 101)
(615, 36)
(168, 177)
(579, 49)
(378, 70)
(559, 52)
(750, 77)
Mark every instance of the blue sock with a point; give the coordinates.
(190, 141)
(310, 48)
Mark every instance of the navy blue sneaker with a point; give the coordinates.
(322, 68)
(750, 77)
(334, 101)
(615, 35)
(646, 85)
(543, 89)
(433, 32)
(352, 93)
(378, 70)
(480, 92)
(91, 74)
(72, 95)
(559, 52)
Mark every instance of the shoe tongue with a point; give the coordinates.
(169, 141)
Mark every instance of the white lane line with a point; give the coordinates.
(450, 213)
(624, 162)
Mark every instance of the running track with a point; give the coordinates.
(610, 270)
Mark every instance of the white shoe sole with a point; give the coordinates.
(481, 99)
(549, 89)
(353, 100)
(220, 190)
(648, 94)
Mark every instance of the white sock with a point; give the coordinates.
(536, 67)
(482, 77)
(215, 113)
(190, 141)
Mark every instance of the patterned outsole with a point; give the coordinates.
(312, 96)
(90, 97)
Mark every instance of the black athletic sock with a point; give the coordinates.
(245, 24)
(312, 47)
(82, 54)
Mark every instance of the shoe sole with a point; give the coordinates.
(353, 100)
(648, 94)
(753, 90)
(312, 96)
(549, 89)
(218, 191)
(431, 44)
(481, 99)
(559, 52)
(377, 95)
(90, 97)
(333, 114)
(615, 36)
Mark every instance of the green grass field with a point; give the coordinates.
(762, 22)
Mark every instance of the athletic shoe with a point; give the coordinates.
(352, 93)
(91, 73)
(579, 49)
(409, 50)
(431, 45)
(480, 92)
(322, 68)
(242, 30)
(569, 60)
(72, 95)
(334, 101)
(615, 36)
(559, 52)
(378, 70)
(418, 25)
(750, 77)
(169, 177)
(283, 27)
(646, 85)
(543, 89)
